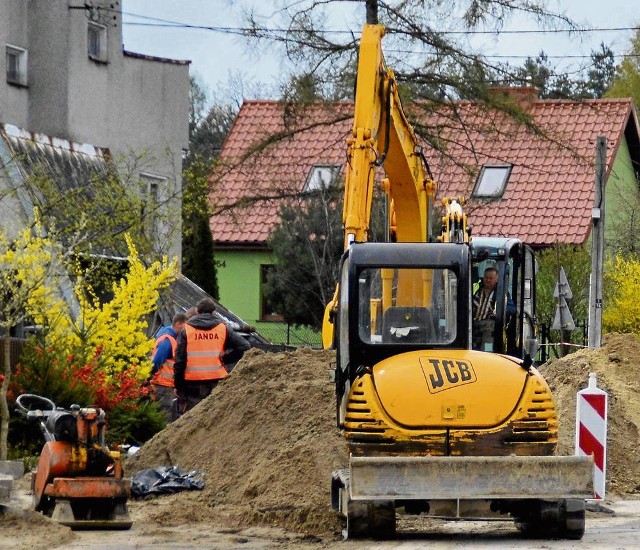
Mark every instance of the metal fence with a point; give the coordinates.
(290, 335)
(568, 342)
(550, 346)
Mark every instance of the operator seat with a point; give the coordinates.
(408, 324)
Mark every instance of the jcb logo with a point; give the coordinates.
(443, 374)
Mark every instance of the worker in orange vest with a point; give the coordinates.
(163, 357)
(204, 346)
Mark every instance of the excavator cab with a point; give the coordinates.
(511, 327)
(400, 297)
(404, 297)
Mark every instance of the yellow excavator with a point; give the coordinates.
(441, 414)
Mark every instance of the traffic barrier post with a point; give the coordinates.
(591, 431)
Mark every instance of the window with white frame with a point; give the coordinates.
(321, 176)
(492, 181)
(150, 190)
(16, 60)
(97, 41)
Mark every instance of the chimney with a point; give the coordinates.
(524, 96)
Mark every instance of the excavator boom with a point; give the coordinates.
(382, 136)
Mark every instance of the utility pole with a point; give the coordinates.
(597, 247)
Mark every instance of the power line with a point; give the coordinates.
(544, 31)
(247, 31)
(159, 22)
(510, 56)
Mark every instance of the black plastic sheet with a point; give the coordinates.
(165, 480)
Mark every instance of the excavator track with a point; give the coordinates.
(365, 518)
(564, 518)
(532, 490)
(371, 519)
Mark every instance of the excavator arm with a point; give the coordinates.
(382, 136)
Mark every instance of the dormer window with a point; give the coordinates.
(492, 181)
(321, 176)
(97, 42)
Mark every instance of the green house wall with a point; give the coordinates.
(239, 285)
(239, 281)
(621, 189)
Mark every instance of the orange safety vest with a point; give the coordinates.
(204, 353)
(164, 375)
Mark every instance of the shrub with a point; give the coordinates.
(55, 373)
(621, 305)
(134, 425)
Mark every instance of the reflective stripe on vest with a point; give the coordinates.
(164, 375)
(204, 351)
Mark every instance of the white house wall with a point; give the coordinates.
(131, 104)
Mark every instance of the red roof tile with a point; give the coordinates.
(552, 177)
(256, 170)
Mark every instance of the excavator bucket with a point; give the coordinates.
(471, 477)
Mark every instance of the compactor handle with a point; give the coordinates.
(33, 406)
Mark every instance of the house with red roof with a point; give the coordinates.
(531, 177)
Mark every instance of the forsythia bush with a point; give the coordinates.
(97, 357)
(113, 334)
(622, 288)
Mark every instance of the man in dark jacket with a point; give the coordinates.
(204, 346)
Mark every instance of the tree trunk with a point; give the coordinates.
(4, 407)
(372, 12)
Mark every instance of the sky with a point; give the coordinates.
(218, 57)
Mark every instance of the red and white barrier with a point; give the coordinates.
(591, 431)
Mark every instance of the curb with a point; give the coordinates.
(6, 482)
(13, 468)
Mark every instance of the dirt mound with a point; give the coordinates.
(266, 440)
(617, 366)
(43, 532)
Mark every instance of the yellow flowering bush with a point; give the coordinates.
(25, 273)
(621, 305)
(118, 327)
(120, 324)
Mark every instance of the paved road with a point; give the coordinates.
(616, 527)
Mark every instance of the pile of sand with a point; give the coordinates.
(617, 366)
(43, 532)
(267, 441)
